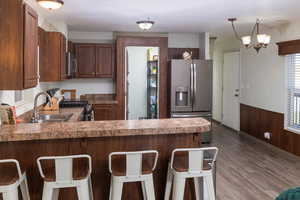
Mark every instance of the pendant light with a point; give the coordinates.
(145, 25)
(51, 4)
(262, 40)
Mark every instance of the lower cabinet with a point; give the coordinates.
(104, 112)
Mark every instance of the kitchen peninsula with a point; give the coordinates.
(26, 142)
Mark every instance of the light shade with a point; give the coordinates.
(51, 4)
(145, 25)
(246, 40)
(267, 39)
(261, 38)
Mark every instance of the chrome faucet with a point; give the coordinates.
(35, 116)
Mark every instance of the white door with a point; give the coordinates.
(231, 89)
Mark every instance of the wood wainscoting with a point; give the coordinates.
(256, 121)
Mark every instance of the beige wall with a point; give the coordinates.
(263, 74)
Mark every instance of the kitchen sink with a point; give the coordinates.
(43, 118)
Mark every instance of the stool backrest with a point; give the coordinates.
(64, 166)
(13, 161)
(134, 161)
(196, 157)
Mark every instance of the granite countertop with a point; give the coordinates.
(65, 130)
(99, 98)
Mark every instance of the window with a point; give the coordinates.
(292, 115)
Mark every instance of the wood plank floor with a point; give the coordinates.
(250, 170)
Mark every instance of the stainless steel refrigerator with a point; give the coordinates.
(191, 90)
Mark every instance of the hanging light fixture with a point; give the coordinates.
(145, 25)
(51, 4)
(262, 40)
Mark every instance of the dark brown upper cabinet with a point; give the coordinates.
(95, 60)
(86, 60)
(30, 47)
(18, 46)
(52, 56)
(104, 61)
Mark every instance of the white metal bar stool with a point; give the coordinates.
(62, 177)
(190, 163)
(134, 172)
(9, 183)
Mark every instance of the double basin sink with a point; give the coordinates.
(44, 118)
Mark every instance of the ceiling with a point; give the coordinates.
(173, 15)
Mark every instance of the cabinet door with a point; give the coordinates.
(104, 61)
(63, 64)
(11, 45)
(86, 61)
(30, 47)
(104, 112)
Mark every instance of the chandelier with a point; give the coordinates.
(145, 24)
(262, 40)
(51, 4)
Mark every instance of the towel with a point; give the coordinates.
(7, 114)
(291, 194)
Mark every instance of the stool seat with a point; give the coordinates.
(181, 164)
(50, 175)
(119, 167)
(8, 178)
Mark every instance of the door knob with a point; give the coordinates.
(236, 95)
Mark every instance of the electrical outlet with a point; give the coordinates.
(267, 135)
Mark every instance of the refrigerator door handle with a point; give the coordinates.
(191, 85)
(194, 82)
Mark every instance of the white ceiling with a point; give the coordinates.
(173, 15)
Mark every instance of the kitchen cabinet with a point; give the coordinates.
(86, 61)
(30, 47)
(104, 61)
(53, 56)
(18, 46)
(104, 112)
(95, 60)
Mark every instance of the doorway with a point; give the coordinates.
(121, 82)
(231, 90)
(142, 82)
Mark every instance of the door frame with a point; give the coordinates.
(239, 87)
(122, 43)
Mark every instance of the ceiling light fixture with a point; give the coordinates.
(51, 4)
(262, 40)
(145, 25)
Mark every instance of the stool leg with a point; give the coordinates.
(178, 189)
(47, 192)
(55, 194)
(169, 184)
(91, 189)
(197, 188)
(24, 189)
(149, 186)
(144, 190)
(117, 188)
(83, 190)
(11, 195)
(210, 187)
(110, 188)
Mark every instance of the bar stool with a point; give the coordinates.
(135, 171)
(190, 163)
(9, 182)
(62, 176)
